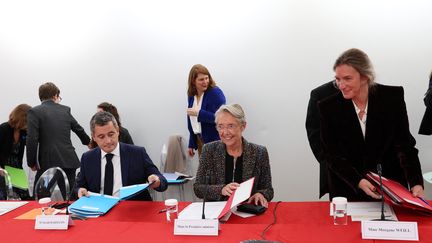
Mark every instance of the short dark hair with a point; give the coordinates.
(48, 91)
(102, 118)
(105, 106)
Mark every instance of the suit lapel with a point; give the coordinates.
(98, 165)
(124, 163)
(349, 117)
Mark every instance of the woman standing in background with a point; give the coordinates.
(204, 99)
(13, 135)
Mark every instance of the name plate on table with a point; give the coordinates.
(196, 227)
(53, 222)
(389, 230)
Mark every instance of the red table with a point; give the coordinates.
(132, 221)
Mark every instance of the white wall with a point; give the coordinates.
(265, 55)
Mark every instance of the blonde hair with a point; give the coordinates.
(359, 61)
(235, 110)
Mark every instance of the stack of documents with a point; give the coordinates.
(398, 195)
(94, 205)
(177, 177)
(97, 204)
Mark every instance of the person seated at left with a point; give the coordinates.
(232, 160)
(113, 165)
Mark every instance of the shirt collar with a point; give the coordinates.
(115, 152)
(358, 109)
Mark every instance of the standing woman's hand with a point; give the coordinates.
(192, 111)
(417, 191)
(369, 189)
(191, 152)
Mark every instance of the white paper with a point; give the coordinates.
(243, 192)
(388, 230)
(360, 211)
(194, 210)
(196, 227)
(8, 206)
(50, 222)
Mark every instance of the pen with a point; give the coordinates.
(423, 200)
(163, 210)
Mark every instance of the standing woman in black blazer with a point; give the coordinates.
(13, 135)
(363, 125)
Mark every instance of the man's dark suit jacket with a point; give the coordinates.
(50, 125)
(136, 167)
(212, 100)
(388, 141)
(313, 129)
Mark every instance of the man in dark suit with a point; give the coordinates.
(49, 126)
(113, 165)
(313, 129)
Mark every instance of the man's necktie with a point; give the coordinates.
(109, 175)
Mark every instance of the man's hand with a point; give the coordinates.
(83, 192)
(258, 198)
(154, 178)
(369, 189)
(229, 189)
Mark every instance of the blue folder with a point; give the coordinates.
(173, 178)
(94, 205)
(127, 192)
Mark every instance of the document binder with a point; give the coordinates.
(398, 195)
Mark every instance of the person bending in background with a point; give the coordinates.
(426, 123)
(364, 125)
(13, 135)
(204, 98)
(233, 160)
(113, 164)
(124, 135)
(313, 129)
(49, 126)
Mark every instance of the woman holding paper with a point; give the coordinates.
(232, 160)
(12, 142)
(364, 125)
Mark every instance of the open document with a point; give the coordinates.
(8, 206)
(217, 210)
(194, 210)
(360, 211)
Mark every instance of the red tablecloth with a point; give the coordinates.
(132, 221)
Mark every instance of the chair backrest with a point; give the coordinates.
(174, 156)
(53, 183)
(6, 189)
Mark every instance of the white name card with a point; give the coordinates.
(53, 222)
(196, 227)
(389, 230)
